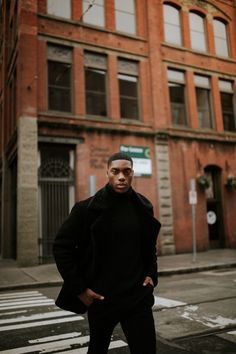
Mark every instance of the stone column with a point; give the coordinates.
(27, 192)
(165, 201)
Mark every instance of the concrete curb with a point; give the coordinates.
(164, 272)
(200, 268)
(30, 285)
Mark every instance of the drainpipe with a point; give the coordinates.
(2, 136)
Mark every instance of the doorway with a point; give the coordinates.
(214, 207)
(56, 194)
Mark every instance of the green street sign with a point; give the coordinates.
(141, 159)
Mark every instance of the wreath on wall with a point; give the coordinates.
(231, 182)
(203, 181)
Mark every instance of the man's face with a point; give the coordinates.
(120, 175)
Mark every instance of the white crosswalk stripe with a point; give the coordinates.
(53, 338)
(19, 295)
(35, 304)
(161, 302)
(40, 323)
(31, 300)
(17, 301)
(41, 316)
(26, 310)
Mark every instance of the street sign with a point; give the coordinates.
(192, 197)
(141, 158)
(211, 217)
(193, 202)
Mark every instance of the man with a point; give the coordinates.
(106, 254)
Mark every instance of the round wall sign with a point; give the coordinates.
(211, 217)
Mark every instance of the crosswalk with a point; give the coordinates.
(25, 318)
(31, 323)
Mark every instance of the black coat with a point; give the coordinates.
(84, 238)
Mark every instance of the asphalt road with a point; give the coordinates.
(194, 313)
(204, 318)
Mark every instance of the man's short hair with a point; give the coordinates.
(119, 156)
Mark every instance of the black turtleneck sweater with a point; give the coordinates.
(122, 271)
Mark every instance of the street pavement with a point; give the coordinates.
(31, 323)
(14, 277)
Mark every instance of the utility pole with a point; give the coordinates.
(193, 203)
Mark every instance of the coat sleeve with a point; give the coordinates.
(151, 256)
(68, 248)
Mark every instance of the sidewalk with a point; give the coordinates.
(14, 277)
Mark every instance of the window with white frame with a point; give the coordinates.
(60, 8)
(220, 36)
(197, 32)
(227, 104)
(203, 98)
(128, 89)
(93, 12)
(176, 84)
(172, 24)
(125, 16)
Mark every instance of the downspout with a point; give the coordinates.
(2, 132)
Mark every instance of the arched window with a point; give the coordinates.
(220, 36)
(172, 24)
(125, 16)
(197, 32)
(93, 12)
(60, 8)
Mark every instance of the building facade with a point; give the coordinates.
(83, 79)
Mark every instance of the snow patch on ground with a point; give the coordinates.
(190, 313)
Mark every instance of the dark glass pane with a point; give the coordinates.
(176, 93)
(59, 99)
(59, 74)
(59, 86)
(128, 87)
(95, 84)
(129, 108)
(228, 111)
(177, 99)
(95, 80)
(96, 104)
(227, 101)
(204, 110)
(178, 114)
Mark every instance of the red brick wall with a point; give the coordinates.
(91, 159)
(184, 159)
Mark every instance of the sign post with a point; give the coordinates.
(92, 185)
(193, 202)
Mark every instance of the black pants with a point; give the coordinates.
(136, 321)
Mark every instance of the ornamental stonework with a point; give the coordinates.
(202, 4)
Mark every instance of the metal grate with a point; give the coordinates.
(55, 179)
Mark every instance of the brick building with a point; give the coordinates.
(82, 79)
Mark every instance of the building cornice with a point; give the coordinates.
(90, 27)
(89, 45)
(196, 135)
(75, 125)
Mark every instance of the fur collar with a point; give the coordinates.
(100, 200)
